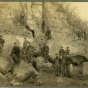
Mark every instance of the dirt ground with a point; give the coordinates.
(50, 80)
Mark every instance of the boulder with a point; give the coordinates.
(6, 63)
(41, 65)
(3, 80)
(78, 59)
(24, 71)
(76, 72)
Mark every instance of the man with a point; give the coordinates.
(15, 53)
(67, 65)
(48, 34)
(41, 48)
(79, 35)
(67, 51)
(61, 52)
(56, 65)
(45, 51)
(29, 52)
(2, 41)
(84, 36)
(25, 43)
(63, 61)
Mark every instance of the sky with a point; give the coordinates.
(82, 8)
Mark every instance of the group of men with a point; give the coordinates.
(27, 50)
(80, 35)
(62, 62)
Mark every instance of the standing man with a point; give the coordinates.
(41, 48)
(68, 65)
(15, 53)
(84, 36)
(67, 51)
(29, 52)
(2, 41)
(25, 43)
(45, 51)
(56, 65)
(63, 61)
(79, 35)
(61, 52)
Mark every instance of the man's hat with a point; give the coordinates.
(67, 47)
(61, 47)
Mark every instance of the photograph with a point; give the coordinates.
(44, 44)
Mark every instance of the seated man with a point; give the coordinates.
(48, 34)
(15, 53)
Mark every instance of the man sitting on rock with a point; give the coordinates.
(48, 34)
(56, 65)
(15, 53)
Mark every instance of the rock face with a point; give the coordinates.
(24, 71)
(6, 64)
(35, 13)
(41, 65)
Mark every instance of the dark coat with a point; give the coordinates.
(46, 49)
(25, 44)
(68, 61)
(56, 61)
(16, 50)
(67, 51)
(61, 52)
(29, 52)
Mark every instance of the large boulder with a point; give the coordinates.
(6, 63)
(3, 80)
(24, 71)
(41, 65)
(78, 59)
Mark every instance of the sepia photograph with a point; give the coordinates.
(44, 44)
